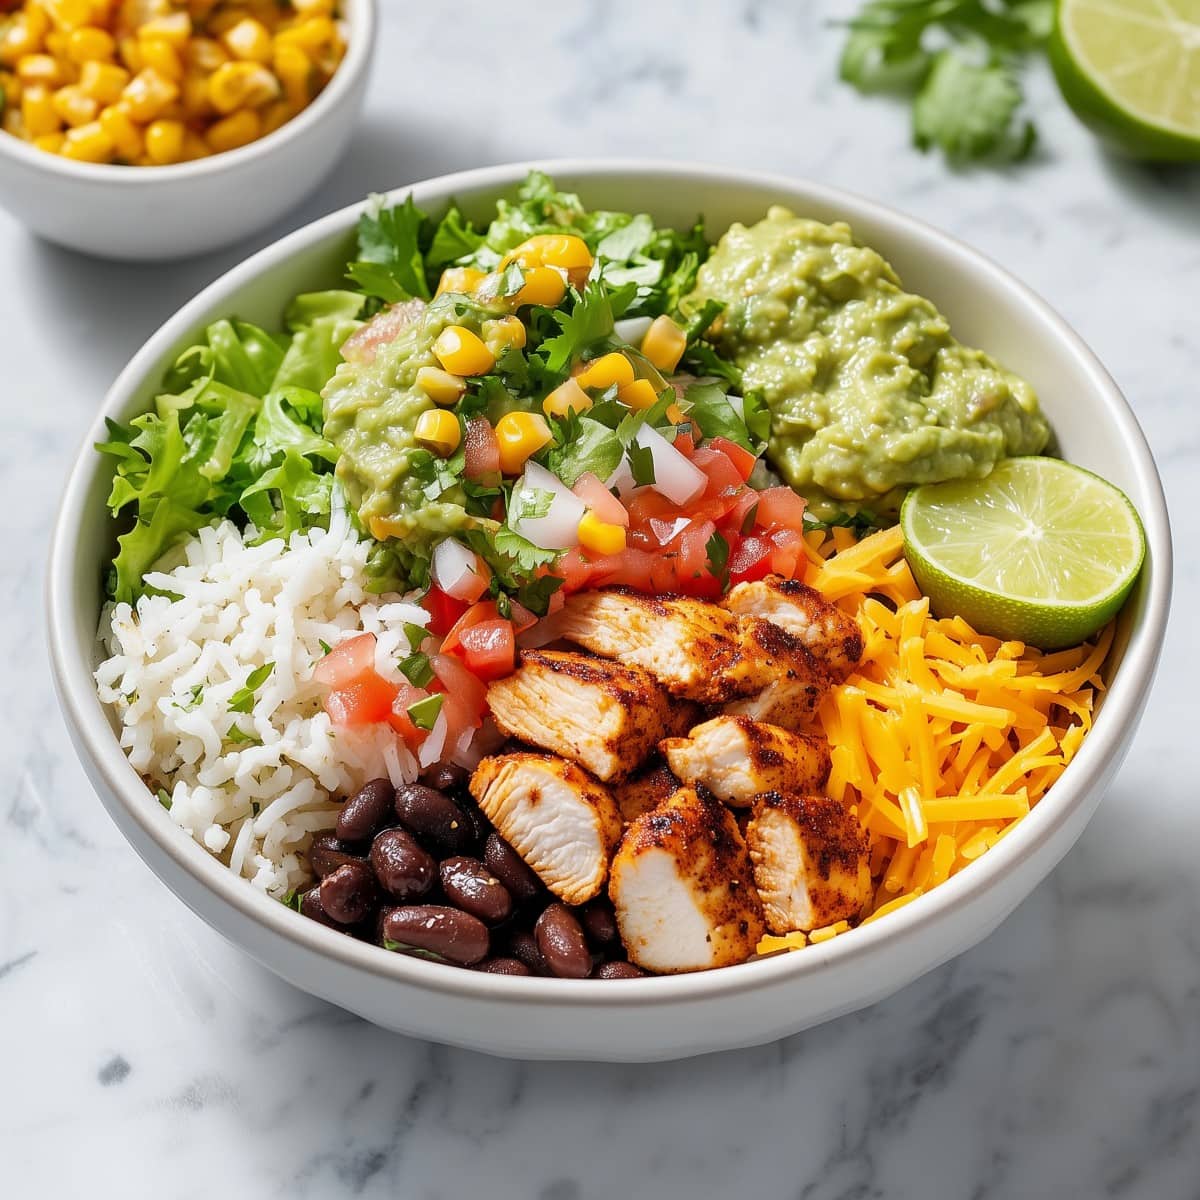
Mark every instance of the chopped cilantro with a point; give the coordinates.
(749, 519)
(416, 634)
(535, 503)
(641, 464)
(717, 550)
(164, 798)
(424, 713)
(325, 646)
(583, 444)
(242, 701)
(417, 669)
(195, 695)
(240, 738)
(454, 238)
(390, 263)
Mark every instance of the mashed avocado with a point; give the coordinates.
(868, 390)
(371, 409)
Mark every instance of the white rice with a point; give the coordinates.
(173, 666)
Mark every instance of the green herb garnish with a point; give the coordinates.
(242, 701)
(424, 713)
(417, 669)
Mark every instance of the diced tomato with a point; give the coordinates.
(520, 616)
(489, 649)
(346, 661)
(600, 500)
(465, 693)
(481, 450)
(444, 611)
(751, 559)
(692, 572)
(721, 472)
(574, 570)
(741, 458)
(737, 516)
(780, 508)
(646, 504)
(685, 443)
(399, 719)
(485, 610)
(788, 552)
(363, 701)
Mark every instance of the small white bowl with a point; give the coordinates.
(685, 1014)
(156, 213)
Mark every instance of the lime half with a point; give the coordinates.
(1131, 70)
(1040, 551)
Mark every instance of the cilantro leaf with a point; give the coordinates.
(756, 414)
(641, 464)
(590, 321)
(164, 798)
(536, 594)
(717, 550)
(424, 713)
(582, 445)
(715, 416)
(454, 238)
(416, 634)
(417, 669)
(521, 553)
(242, 701)
(535, 503)
(390, 238)
(239, 737)
(325, 646)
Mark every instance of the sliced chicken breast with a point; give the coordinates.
(606, 716)
(832, 636)
(556, 817)
(682, 887)
(793, 682)
(811, 861)
(644, 791)
(737, 758)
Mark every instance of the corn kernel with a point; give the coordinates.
(606, 371)
(74, 106)
(148, 93)
(664, 344)
(164, 142)
(175, 28)
(50, 142)
(462, 352)
(543, 285)
(638, 394)
(236, 130)
(440, 386)
(57, 43)
(11, 86)
(227, 16)
(130, 54)
(314, 8)
(567, 397)
(521, 435)
(88, 143)
(504, 333)
(241, 85)
(69, 14)
(675, 414)
(311, 34)
(193, 96)
(205, 54)
(599, 537)
(277, 115)
(162, 56)
(126, 135)
(249, 41)
(103, 81)
(38, 113)
(563, 250)
(462, 281)
(295, 71)
(89, 44)
(22, 35)
(12, 122)
(194, 147)
(438, 430)
(40, 70)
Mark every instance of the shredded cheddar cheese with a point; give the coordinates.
(942, 739)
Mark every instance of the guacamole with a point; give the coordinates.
(868, 390)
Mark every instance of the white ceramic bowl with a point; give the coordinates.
(664, 1017)
(152, 213)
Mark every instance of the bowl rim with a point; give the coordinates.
(94, 738)
(362, 21)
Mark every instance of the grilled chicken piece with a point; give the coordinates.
(810, 861)
(644, 791)
(737, 758)
(606, 716)
(683, 889)
(555, 816)
(832, 636)
(793, 682)
(689, 645)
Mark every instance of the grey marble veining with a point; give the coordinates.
(142, 1056)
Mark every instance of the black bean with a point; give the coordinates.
(561, 941)
(349, 893)
(310, 906)
(434, 818)
(523, 947)
(327, 852)
(599, 921)
(403, 869)
(510, 868)
(446, 777)
(504, 966)
(456, 936)
(619, 970)
(366, 810)
(469, 885)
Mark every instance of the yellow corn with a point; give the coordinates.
(438, 430)
(148, 93)
(12, 122)
(194, 147)
(103, 81)
(22, 35)
(521, 435)
(130, 53)
(238, 129)
(74, 106)
(205, 54)
(277, 114)
(543, 285)
(193, 96)
(311, 34)
(38, 113)
(175, 28)
(675, 414)
(295, 71)
(440, 386)
(664, 344)
(11, 86)
(638, 394)
(126, 135)
(88, 143)
(462, 352)
(89, 44)
(235, 85)
(606, 371)
(69, 14)
(505, 333)
(567, 397)
(459, 280)
(248, 40)
(40, 70)
(162, 56)
(164, 142)
(563, 250)
(314, 8)
(599, 537)
(51, 142)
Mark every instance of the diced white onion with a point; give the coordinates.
(632, 329)
(559, 528)
(455, 571)
(738, 406)
(676, 477)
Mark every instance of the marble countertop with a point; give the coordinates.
(142, 1056)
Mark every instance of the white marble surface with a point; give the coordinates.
(142, 1056)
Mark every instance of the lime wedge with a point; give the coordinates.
(1040, 551)
(1131, 71)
